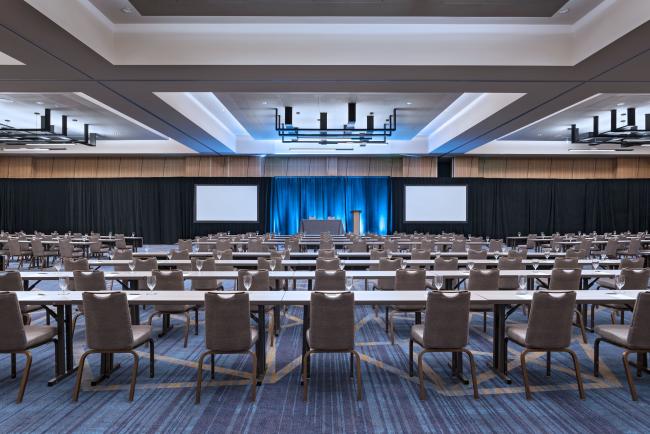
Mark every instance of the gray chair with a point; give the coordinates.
(259, 282)
(172, 281)
(611, 248)
(477, 255)
(329, 280)
(548, 330)
(72, 264)
(331, 330)
(144, 264)
(634, 338)
(328, 264)
(327, 253)
(109, 331)
(458, 246)
(204, 284)
(421, 255)
(633, 248)
(226, 255)
(41, 257)
(506, 263)
(227, 331)
(495, 245)
(85, 281)
(11, 281)
(568, 279)
(185, 245)
(449, 264)
(181, 255)
(636, 263)
(17, 338)
(483, 280)
(15, 251)
(574, 253)
(406, 280)
(445, 329)
(359, 246)
(635, 279)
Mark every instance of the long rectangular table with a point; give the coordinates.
(316, 226)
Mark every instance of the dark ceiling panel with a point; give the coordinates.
(353, 8)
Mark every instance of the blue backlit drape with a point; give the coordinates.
(296, 198)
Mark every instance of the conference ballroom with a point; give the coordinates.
(297, 216)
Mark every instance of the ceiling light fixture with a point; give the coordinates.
(564, 10)
(127, 10)
(45, 135)
(349, 133)
(6, 100)
(626, 135)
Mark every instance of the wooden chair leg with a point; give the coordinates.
(80, 370)
(576, 367)
(628, 375)
(359, 385)
(472, 365)
(525, 373)
(25, 377)
(305, 361)
(581, 324)
(199, 378)
(253, 376)
(134, 374)
(74, 322)
(423, 395)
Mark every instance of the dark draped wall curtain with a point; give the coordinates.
(296, 198)
(501, 207)
(159, 209)
(162, 209)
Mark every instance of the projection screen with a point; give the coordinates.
(225, 203)
(435, 203)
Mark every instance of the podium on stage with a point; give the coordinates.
(356, 220)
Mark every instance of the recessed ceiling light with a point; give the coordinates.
(6, 100)
(74, 120)
(564, 10)
(36, 113)
(264, 102)
(127, 10)
(39, 102)
(7, 120)
(409, 103)
(620, 104)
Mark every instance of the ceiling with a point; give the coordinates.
(256, 111)
(488, 83)
(23, 110)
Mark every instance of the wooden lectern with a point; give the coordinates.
(356, 218)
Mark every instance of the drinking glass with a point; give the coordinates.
(595, 263)
(199, 264)
(131, 265)
(63, 284)
(535, 264)
(619, 280)
(522, 282)
(133, 234)
(470, 266)
(438, 281)
(240, 248)
(58, 265)
(272, 264)
(603, 256)
(518, 234)
(349, 283)
(248, 281)
(151, 282)
(341, 266)
(219, 254)
(402, 265)
(496, 255)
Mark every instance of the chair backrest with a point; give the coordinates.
(477, 255)
(391, 245)
(410, 280)
(331, 325)
(634, 247)
(563, 279)
(573, 253)
(388, 264)
(145, 264)
(169, 280)
(10, 281)
(636, 278)
(359, 246)
(327, 253)
(179, 255)
(483, 280)
(108, 321)
(329, 280)
(204, 284)
(631, 263)
(227, 321)
(257, 246)
(66, 250)
(328, 263)
(611, 248)
(508, 263)
(71, 264)
(458, 246)
(185, 245)
(518, 253)
(120, 243)
(551, 320)
(223, 244)
(260, 282)
(639, 334)
(13, 336)
(124, 255)
(566, 263)
(495, 246)
(446, 324)
(421, 254)
(325, 245)
(14, 247)
(442, 264)
(37, 247)
(88, 280)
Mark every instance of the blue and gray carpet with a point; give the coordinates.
(390, 402)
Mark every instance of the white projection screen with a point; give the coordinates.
(225, 203)
(435, 203)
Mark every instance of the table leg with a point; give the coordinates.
(261, 343)
(305, 344)
(64, 363)
(499, 351)
(107, 367)
(457, 367)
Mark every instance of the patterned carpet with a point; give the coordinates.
(166, 402)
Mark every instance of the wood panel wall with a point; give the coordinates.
(551, 168)
(146, 167)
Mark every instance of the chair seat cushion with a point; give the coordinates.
(407, 308)
(480, 306)
(141, 334)
(37, 335)
(30, 308)
(517, 333)
(172, 308)
(325, 349)
(615, 333)
(606, 282)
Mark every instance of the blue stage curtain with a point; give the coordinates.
(297, 198)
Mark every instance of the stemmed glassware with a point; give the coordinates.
(132, 265)
(470, 265)
(63, 285)
(58, 265)
(219, 254)
(272, 264)
(199, 264)
(151, 282)
(248, 281)
(522, 282)
(619, 281)
(595, 263)
(535, 265)
(438, 281)
(349, 283)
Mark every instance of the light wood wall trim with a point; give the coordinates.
(200, 166)
(551, 168)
